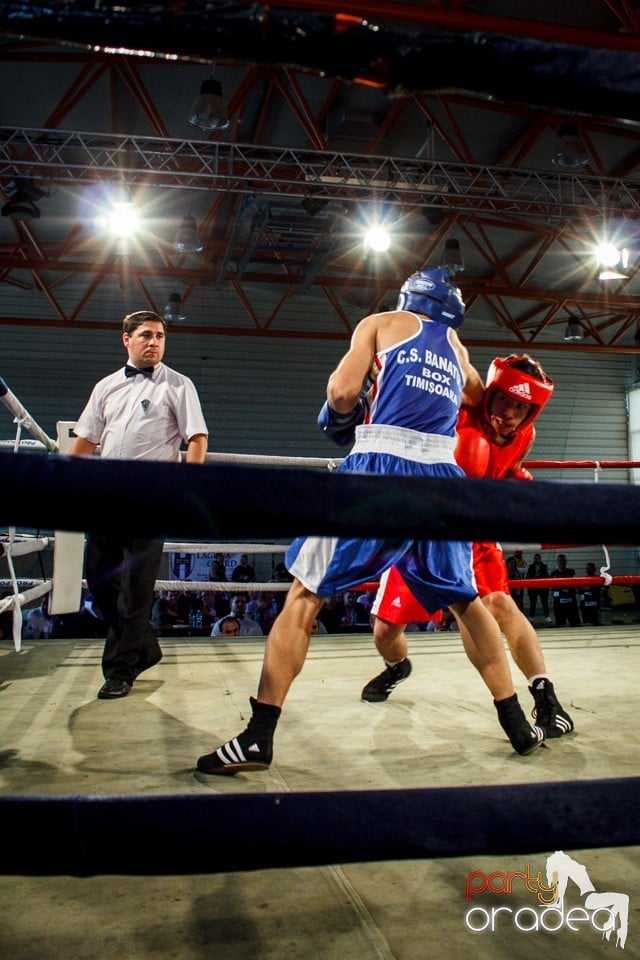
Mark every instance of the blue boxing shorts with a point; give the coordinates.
(438, 572)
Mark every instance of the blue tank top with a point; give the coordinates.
(419, 383)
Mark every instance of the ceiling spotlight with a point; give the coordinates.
(313, 205)
(574, 331)
(614, 262)
(21, 210)
(208, 111)
(174, 310)
(187, 238)
(610, 273)
(377, 238)
(572, 151)
(452, 256)
(21, 204)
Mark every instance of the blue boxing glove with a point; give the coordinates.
(341, 427)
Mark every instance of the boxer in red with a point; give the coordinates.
(492, 441)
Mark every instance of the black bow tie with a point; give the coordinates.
(130, 371)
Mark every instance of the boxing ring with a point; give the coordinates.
(231, 502)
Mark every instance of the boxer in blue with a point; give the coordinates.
(398, 391)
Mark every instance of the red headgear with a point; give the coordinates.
(519, 377)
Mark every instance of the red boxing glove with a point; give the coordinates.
(472, 452)
(519, 473)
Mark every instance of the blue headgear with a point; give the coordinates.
(432, 292)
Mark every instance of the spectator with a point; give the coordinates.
(183, 600)
(352, 615)
(164, 614)
(538, 570)
(209, 612)
(248, 627)
(262, 608)
(281, 575)
(565, 604)
(218, 571)
(514, 574)
(243, 572)
(229, 626)
(443, 623)
(517, 567)
(591, 597)
(38, 624)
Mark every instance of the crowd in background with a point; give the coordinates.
(251, 613)
(571, 606)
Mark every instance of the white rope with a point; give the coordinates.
(606, 576)
(21, 599)
(24, 418)
(222, 586)
(270, 460)
(12, 547)
(19, 548)
(171, 546)
(29, 444)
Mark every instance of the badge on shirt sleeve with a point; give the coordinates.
(145, 404)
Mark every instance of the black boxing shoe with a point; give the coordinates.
(548, 711)
(379, 688)
(523, 737)
(250, 750)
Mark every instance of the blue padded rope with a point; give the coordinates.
(231, 501)
(82, 836)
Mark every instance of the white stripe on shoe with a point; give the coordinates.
(231, 752)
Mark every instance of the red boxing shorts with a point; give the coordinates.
(395, 603)
(490, 569)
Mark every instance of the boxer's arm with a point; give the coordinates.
(346, 382)
(518, 472)
(473, 387)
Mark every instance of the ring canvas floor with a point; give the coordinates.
(439, 728)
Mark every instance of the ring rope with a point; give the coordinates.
(173, 546)
(81, 836)
(24, 419)
(222, 501)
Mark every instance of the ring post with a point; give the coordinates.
(68, 551)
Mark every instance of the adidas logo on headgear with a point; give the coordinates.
(521, 390)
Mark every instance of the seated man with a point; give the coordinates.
(229, 626)
(248, 627)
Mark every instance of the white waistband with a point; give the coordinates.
(400, 442)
